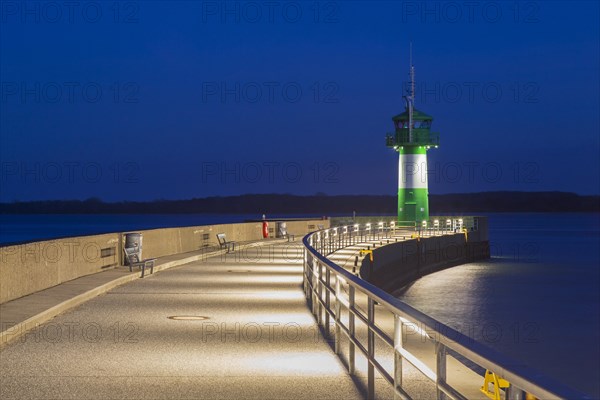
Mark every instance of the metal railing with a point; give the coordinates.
(421, 137)
(331, 291)
(440, 223)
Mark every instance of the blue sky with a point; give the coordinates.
(146, 100)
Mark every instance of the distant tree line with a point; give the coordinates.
(317, 204)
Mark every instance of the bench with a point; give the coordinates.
(134, 261)
(224, 244)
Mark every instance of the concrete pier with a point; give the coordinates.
(222, 325)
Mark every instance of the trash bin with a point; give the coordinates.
(134, 241)
(281, 230)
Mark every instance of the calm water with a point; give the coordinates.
(24, 228)
(537, 300)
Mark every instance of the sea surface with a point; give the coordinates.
(33, 227)
(536, 300)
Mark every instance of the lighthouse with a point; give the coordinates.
(412, 137)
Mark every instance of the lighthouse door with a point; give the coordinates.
(411, 211)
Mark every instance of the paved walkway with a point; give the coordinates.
(258, 340)
(20, 315)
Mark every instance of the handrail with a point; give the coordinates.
(319, 290)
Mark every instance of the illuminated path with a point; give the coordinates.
(259, 341)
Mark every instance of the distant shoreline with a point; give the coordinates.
(318, 204)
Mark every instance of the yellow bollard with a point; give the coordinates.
(497, 384)
(369, 252)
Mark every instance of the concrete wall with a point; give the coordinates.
(396, 265)
(31, 267)
(164, 242)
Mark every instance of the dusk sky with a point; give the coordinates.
(174, 100)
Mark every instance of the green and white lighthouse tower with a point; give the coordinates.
(411, 139)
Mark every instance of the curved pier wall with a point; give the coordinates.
(398, 264)
(31, 267)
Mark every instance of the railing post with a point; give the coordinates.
(331, 242)
(514, 393)
(352, 329)
(314, 290)
(305, 272)
(327, 298)
(440, 351)
(320, 293)
(338, 311)
(397, 356)
(371, 349)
